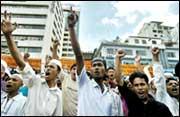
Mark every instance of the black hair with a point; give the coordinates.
(110, 68)
(177, 72)
(58, 68)
(168, 79)
(5, 77)
(138, 74)
(74, 65)
(99, 59)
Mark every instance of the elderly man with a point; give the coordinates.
(12, 104)
(5, 74)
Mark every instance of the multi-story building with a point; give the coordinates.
(156, 29)
(138, 45)
(67, 51)
(39, 23)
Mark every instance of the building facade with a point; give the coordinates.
(156, 29)
(39, 23)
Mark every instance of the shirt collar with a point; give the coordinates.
(96, 85)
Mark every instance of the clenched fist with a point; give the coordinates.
(120, 53)
(72, 18)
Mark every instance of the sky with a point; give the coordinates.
(105, 20)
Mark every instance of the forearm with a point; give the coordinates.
(54, 54)
(139, 67)
(155, 58)
(118, 73)
(15, 52)
(77, 50)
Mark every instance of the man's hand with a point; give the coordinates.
(137, 58)
(26, 56)
(55, 44)
(72, 18)
(155, 51)
(120, 54)
(6, 26)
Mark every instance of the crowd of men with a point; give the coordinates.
(101, 92)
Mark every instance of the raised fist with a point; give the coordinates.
(55, 43)
(72, 18)
(155, 51)
(137, 58)
(120, 53)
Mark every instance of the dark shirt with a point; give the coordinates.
(136, 108)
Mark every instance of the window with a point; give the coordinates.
(28, 16)
(36, 50)
(70, 55)
(129, 52)
(64, 54)
(170, 54)
(64, 49)
(25, 26)
(65, 39)
(126, 41)
(160, 31)
(65, 34)
(136, 41)
(155, 35)
(65, 44)
(154, 31)
(144, 41)
(109, 51)
(25, 37)
(161, 35)
(141, 52)
(165, 28)
(154, 42)
(69, 49)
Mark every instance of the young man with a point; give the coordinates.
(139, 102)
(112, 85)
(70, 93)
(167, 91)
(44, 97)
(93, 96)
(13, 103)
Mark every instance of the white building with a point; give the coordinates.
(67, 51)
(138, 45)
(39, 23)
(156, 29)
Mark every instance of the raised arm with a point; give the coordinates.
(72, 19)
(7, 28)
(138, 63)
(118, 74)
(54, 49)
(159, 76)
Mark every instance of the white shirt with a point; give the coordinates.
(117, 106)
(14, 106)
(70, 95)
(91, 100)
(41, 100)
(161, 93)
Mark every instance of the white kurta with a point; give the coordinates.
(41, 100)
(14, 106)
